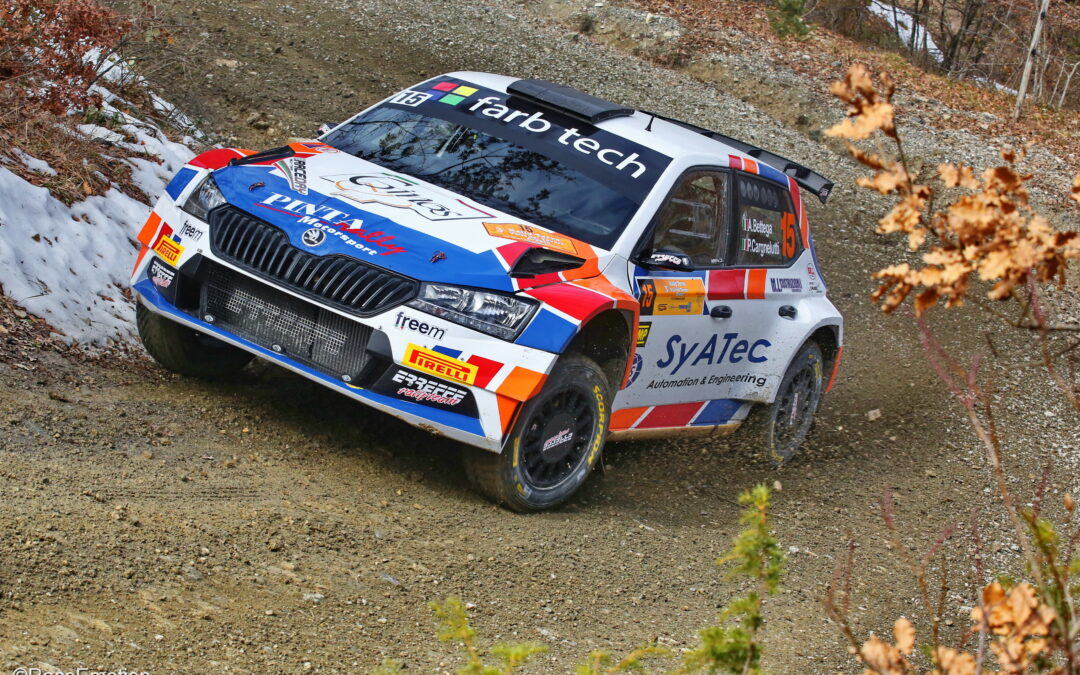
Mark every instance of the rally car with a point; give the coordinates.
(511, 263)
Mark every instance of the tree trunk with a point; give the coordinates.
(1029, 61)
(1065, 90)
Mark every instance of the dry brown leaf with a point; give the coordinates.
(904, 635)
(870, 118)
(953, 662)
(991, 233)
(958, 174)
(876, 162)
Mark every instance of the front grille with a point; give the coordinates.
(270, 318)
(341, 282)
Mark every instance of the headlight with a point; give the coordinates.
(204, 198)
(493, 313)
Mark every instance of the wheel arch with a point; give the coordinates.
(608, 339)
(828, 337)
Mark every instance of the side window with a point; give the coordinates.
(692, 220)
(765, 230)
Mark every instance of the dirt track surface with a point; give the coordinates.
(268, 525)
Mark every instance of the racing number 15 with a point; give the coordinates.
(787, 228)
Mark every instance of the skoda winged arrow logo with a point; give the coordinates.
(313, 237)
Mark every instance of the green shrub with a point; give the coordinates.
(787, 18)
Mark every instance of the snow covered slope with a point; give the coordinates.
(70, 264)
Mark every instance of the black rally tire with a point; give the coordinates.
(186, 351)
(781, 427)
(526, 476)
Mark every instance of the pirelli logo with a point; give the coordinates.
(440, 365)
(169, 250)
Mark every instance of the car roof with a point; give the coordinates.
(664, 136)
(676, 139)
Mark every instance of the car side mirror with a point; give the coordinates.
(666, 260)
(325, 127)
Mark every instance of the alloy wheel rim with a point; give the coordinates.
(795, 403)
(566, 414)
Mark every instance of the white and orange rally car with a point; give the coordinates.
(514, 264)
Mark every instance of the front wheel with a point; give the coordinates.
(555, 442)
(186, 351)
(782, 426)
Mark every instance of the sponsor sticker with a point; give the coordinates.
(410, 98)
(191, 232)
(397, 192)
(679, 296)
(643, 333)
(441, 365)
(717, 350)
(499, 113)
(450, 93)
(295, 171)
(160, 274)
(167, 246)
(635, 369)
(531, 235)
(406, 322)
(563, 436)
(753, 379)
(409, 385)
(779, 285)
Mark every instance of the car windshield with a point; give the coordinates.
(493, 171)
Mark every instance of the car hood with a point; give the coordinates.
(329, 202)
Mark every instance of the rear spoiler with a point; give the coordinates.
(808, 180)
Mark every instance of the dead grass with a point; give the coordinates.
(84, 166)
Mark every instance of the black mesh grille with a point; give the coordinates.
(285, 324)
(339, 281)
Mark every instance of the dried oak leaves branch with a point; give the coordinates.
(990, 231)
(1015, 618)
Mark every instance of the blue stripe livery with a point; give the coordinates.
(180, 181)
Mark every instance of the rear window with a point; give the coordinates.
(765, 232)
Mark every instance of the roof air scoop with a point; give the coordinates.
(567, 100)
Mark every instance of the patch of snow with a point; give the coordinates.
(70, 264)
(988, 83)
(34, 164)
(904, 24)
(101, 133)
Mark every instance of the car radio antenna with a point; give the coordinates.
(648, 127)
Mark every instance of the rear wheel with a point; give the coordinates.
(782, 426)
(554, 444)
(186, 351)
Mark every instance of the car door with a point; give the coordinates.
(754, 296)
(692, 226)
(715, 332)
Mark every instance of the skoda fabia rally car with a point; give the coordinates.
(514, 264)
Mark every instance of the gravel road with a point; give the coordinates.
(267, 525)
